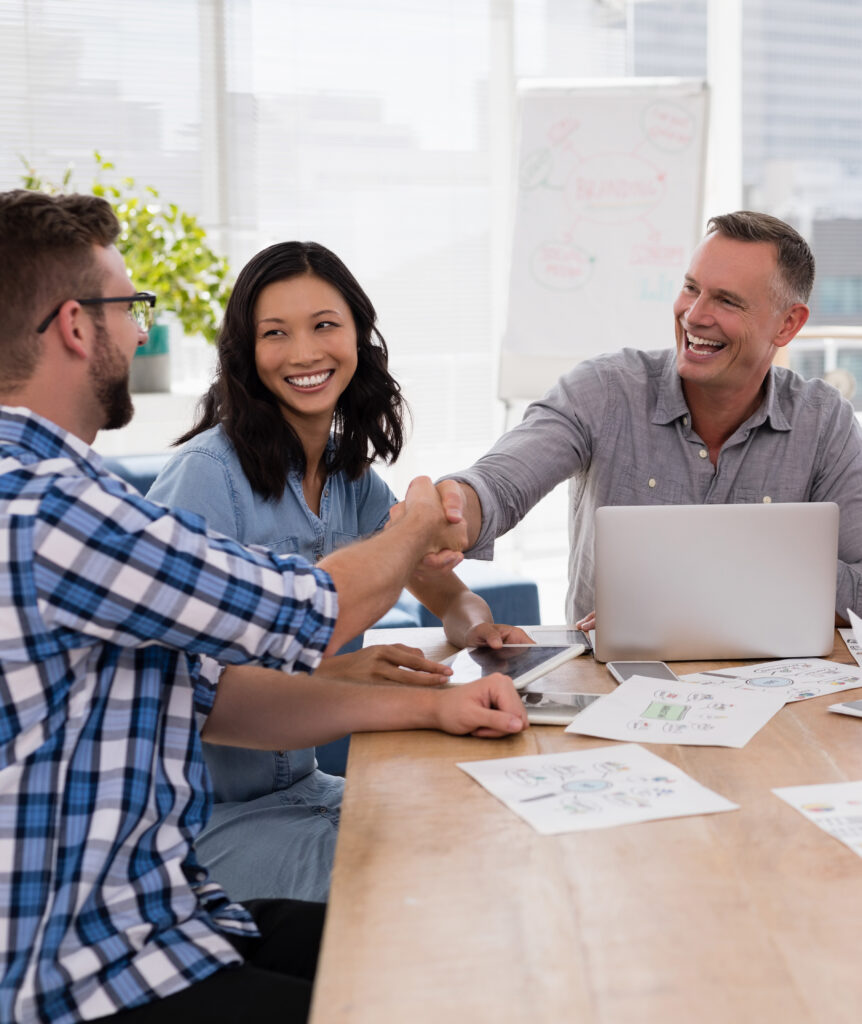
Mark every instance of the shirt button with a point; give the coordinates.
(703, 453)
(767, 500)
(326, 493)
(685, 421)
(652, 482)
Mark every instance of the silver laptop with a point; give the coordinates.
(704, 582)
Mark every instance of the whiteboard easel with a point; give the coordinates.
(608, 209)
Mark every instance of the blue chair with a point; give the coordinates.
(512, 599)
(138, 470)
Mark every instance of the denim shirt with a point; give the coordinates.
(205, 476)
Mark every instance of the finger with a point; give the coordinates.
(515, 635)
(492, 722)
(396, 512)
(396, 650)
(587, 622)
(498, 692)
(454, 537)
(393, 674)
(494, 734)
(444, 559)
(423, 665)
(484, 634)
(413, 658)
(420, 488)
(452, 498)
(507, 698)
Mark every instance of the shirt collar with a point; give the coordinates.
(670, 401)
(770, 408)
(43, 439)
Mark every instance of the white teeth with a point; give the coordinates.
(703, 342)
(311, 381)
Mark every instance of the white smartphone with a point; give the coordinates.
(523, 662)
(623, 670)
(559, 635)
(850, 707)
(555, 708)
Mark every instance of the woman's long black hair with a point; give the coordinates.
(368, 421)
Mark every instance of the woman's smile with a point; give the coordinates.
(305, 347)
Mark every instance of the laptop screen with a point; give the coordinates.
(698, 582)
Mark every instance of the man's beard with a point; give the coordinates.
(110, 376)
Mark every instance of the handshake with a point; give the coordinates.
(435, 516)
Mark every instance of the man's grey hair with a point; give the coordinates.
(795, 261)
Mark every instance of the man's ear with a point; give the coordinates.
(794, 320)
(75, 328)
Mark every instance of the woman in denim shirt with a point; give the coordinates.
(280, 456)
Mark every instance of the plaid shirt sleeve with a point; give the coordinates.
(109, 567)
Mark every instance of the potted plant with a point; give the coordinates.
(167, 252)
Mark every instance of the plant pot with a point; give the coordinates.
(151, 367)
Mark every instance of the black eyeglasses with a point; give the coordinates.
(141, 309)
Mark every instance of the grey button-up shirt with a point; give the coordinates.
(619, 428)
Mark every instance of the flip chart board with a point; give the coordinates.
(608, 210)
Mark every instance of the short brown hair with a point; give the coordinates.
(795, 259)
(46, 257)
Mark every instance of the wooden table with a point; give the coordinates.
(448, 908)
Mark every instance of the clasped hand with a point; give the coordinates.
(447, 534)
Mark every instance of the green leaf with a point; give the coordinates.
(165, 248)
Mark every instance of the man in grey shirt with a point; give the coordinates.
(710, 422)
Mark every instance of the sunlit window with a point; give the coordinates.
(384, 130)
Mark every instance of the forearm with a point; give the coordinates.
(269, 710)
(467, 611)
(839, 479)
(553, 442)
(458, 608)
(370, 575)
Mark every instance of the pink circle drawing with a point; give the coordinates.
(561, 266)
(669, 127)
(614, 188)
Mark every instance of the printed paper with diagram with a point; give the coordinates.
(653, 711)
(853, 636)
(790, 678)
(598, 788)
(836, 807)
(853, 645)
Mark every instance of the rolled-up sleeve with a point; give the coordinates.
(839, 479)
(108, 566)
(552, 443)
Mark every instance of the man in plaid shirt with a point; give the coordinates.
(125, 630)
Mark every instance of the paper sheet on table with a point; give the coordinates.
(836, 807)
(855, 625)
(677, 712)
(853, 646)
(598, 788)
(791, 678)
(852, 636)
